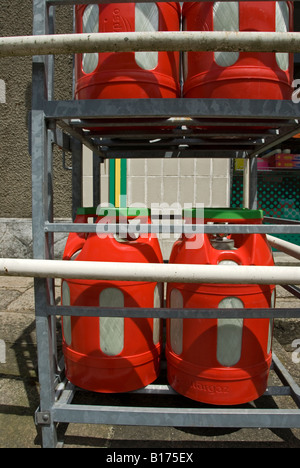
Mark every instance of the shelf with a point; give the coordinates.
(273, 171)
(221, 128)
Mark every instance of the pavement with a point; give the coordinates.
(19, 389)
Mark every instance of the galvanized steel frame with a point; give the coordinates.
(46, 116)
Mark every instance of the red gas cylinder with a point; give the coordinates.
(112, 354)
(248, 75)
(221, 361)
(76, 240)
(127, 74)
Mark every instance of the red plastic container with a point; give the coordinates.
(76, 240)
(248, 75)
(112, 354)
(221, 361)
(127, 74)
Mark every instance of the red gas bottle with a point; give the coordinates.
(113, 354)
(221, 361)
(239, 75)
(127, 74)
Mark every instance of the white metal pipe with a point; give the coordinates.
(150, 272)
(149, 41)
(284, 246)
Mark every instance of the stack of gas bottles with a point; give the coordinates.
(217, 361)
(251, 75)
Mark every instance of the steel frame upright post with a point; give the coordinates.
(253, 184)
(250, 183)
(42, 211)
(76, 147)
(96, 180)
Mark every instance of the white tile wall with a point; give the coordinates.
(179, 181)
(174, 182)
(87, 179)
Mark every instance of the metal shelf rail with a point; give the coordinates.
(67, 124)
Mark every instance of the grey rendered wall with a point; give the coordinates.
(15, 162)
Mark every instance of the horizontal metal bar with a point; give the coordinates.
(154, 389)
(182, 417)
(135, 109)
(284, 246)
(87, 2)
(127, 136)
(150, 272)
(67, 392)
(272, 220)
(165, 313)
(201, 152)
(173, 229)
(227, 41)
(175, 142)
(108, 123)
(175, 122)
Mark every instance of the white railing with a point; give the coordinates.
(150, 41)
(151, 272)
